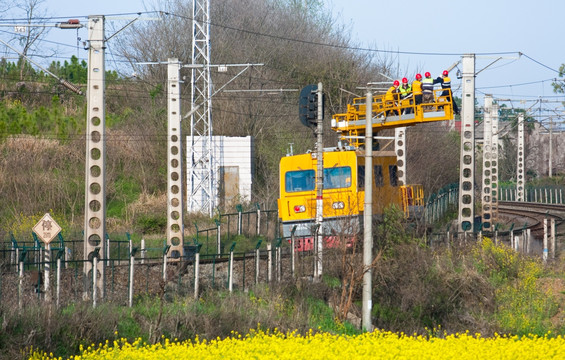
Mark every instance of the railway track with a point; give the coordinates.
(531, 216)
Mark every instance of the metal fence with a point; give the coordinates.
(243, 249)
(30, 275)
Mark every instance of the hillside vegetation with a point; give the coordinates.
(42, 124)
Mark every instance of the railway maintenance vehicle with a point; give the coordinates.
(344, 173)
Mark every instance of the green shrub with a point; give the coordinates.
(151, 223)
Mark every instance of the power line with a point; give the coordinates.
(539, 63)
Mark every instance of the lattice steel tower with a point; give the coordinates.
(201, 168)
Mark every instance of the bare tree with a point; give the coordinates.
(33, 14)
(432, 156)
(297, 44)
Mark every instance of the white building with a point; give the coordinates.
(234, 170)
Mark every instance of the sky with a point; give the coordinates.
(418, 36)
(489, 29)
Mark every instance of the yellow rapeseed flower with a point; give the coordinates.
(258, 344)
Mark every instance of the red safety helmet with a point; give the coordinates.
(404, 80)
(396, 83)
(445, 72)
(428, 74)
(418, 76)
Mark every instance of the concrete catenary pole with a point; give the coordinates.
(368, 218)
(487, 164)
(95, 197)
(494, 164)
(467, 161)
(319, 184)
(520, 175)
(175, 226)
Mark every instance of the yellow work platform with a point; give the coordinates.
(388, 115)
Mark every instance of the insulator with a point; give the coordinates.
(71, 87)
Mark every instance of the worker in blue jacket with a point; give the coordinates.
(445, 82)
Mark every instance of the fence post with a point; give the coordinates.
(131, 273)
(269, 262)
(15, 255)
(143, 251)
(278, 258)
(218, 236)
(239, 209)
(21, 261)
(60, 254)
(512, 244)
(197, 270)
(95, 275)
(552, 238)
(230, 268)
(165, 252)
(257, 255)
(527, 239)
(545, 251)
(107, 255)
(292, 251)
(258, 219)
(46, 271)
(545, 195)
(67, 255)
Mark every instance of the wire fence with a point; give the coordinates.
(243, 249)
(33, 275)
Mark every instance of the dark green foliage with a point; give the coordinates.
(151, 223)
(75, 72)
(16, 119)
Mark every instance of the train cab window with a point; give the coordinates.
(378, 173)
(302, 180)
(393, 174)
(337, 177)
(360, 177)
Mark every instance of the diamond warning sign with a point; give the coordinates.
(47, 228)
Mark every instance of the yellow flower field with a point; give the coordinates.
(377, 345)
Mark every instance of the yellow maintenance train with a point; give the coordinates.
(344, 174)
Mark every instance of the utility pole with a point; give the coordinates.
(494, 164)
(319, 183)
(368, 218)
(550, 173)
(95, 198)
(467, 161)
(520, 175)
(487, 164)
(400, 150)
(175, 214)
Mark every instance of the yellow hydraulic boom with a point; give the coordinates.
(387, 115)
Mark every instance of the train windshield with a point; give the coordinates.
(302, 180)
(337, 177)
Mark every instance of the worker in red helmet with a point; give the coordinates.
(428, 90)
(391, 99)
(445, 82)
(405, 92)
(417, 89)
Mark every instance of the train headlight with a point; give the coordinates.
(338, 205)
(299, 208)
